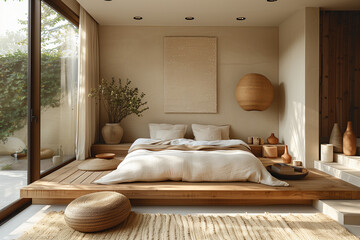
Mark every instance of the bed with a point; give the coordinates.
(188, 160)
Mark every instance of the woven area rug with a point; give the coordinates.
(170, 226)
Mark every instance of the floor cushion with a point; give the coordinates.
(97, 211)
(97, 164)
(46, 153)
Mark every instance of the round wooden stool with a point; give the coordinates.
(97, 211)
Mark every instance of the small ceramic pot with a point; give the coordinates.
(327, 152)
(272, 139)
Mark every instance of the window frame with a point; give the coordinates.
(64, 10)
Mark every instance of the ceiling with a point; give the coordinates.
(205, 12)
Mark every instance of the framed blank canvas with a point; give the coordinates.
(190, 73)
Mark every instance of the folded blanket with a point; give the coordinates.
(161, 147)
(189, 142)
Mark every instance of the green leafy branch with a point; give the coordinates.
(120, 100)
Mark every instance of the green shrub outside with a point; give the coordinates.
(13, 89)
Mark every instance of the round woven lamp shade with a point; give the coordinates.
(254, 92)
(97, 211)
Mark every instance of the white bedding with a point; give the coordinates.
(191, 166)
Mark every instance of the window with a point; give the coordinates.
(57, 98)
(13, 99)
(59, 45)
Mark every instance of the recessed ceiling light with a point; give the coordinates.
(189, 18)
(107, 0)
(240, 18)
(138, 17)
(271, 0)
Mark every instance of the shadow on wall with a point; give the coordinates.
(282, 104)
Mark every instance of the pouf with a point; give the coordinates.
(97, 211)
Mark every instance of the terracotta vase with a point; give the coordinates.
(112, 133)
(272, 139)
(349, 141)
(336, 138)
(286, 157)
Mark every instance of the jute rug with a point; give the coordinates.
(170, 226)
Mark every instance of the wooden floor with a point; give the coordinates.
(68, 183)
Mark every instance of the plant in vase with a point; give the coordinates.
(120, 100)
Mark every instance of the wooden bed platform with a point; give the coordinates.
(68, 183)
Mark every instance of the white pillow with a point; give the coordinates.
(207, 134)
(155, 127)
(225, 129)
(170, 134)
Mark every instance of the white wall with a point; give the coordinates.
(298, 84)
(292, 84)
(137, 53)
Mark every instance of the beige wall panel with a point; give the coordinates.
(137, 53)
(299, 84)
(190, 72)
(292, 84)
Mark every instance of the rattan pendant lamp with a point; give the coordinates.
(254, 92)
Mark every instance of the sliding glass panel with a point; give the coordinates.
(13, 99)
(59, 44)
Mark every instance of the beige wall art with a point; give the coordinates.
(190, 73)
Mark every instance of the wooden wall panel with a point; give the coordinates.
(340, 71)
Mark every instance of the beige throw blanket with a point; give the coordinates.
(161, 146)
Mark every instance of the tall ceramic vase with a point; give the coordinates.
(286, 157)
(336, 138)
(349, 141)
(112, 133)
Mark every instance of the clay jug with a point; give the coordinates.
(272, 139)
(336, 139)
(286, 157)
(112, 133)
(349, 141)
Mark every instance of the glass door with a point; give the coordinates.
(13, 100)
(59, 47)
(29, 143)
